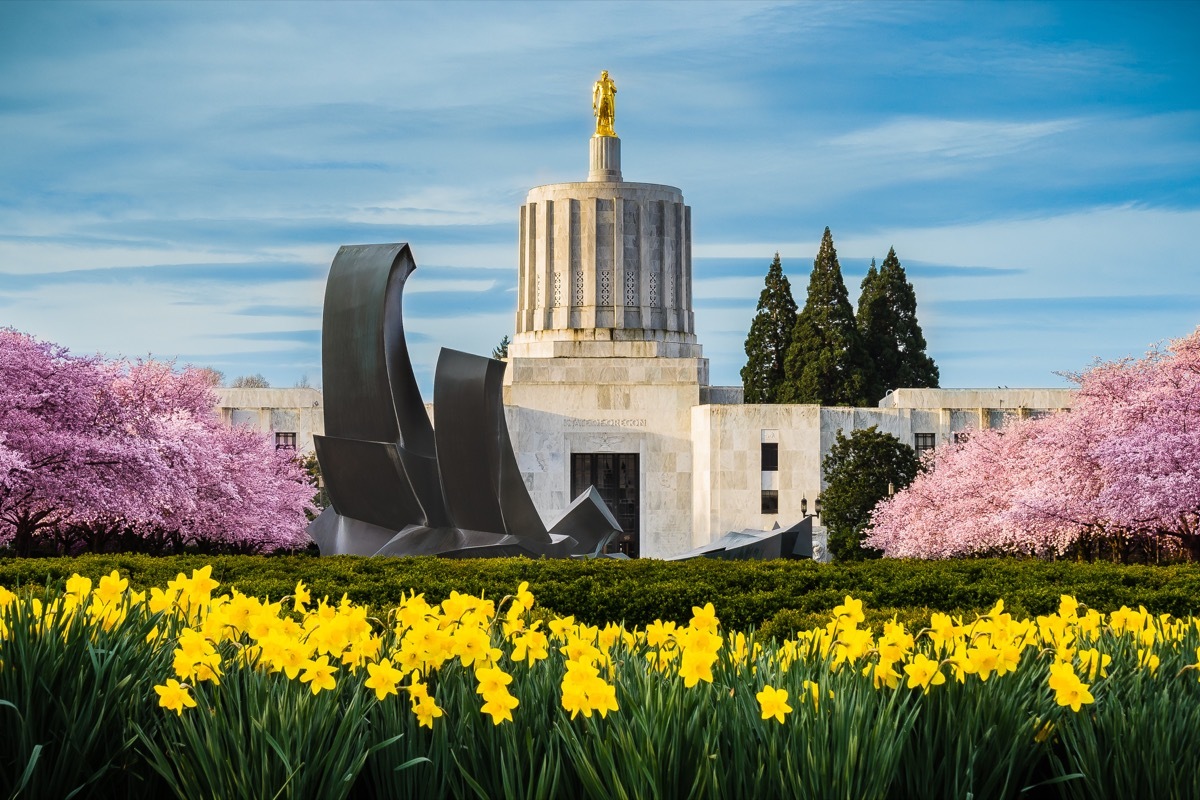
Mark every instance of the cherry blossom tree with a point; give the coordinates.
(234, 491)
(60, 418)
(10, 464)
(102, 455)
(1145, 419)
(1124, 465)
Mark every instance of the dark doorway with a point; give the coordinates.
(615, 476)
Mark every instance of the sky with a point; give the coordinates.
(175, 178)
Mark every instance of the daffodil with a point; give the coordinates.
(1069, 690)
(111, 588)
(924, 673)
(531, 646)
(318, 674)
(1075, 696)
(1094, 663)
(383, 677)
(813, 691)
(426, 711)
(174, 696)
(773, 703)
(849, 613)
(883, 674)
(300, 597)
(695, 666)
(491, 680)
(659, 633)
(523, 599)
(704, 618)
(500, 706)
(77, 586)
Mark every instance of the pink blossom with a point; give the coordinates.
(94, 453)
(1124, 461)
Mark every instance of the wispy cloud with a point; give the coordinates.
(177, 181)
(946, 139)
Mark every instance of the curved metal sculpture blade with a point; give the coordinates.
(378, 455)
(480, 481)
(397, 486)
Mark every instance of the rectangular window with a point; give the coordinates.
(960, 437)
(285, 441)
(770, 456)
(924, 441)
(770, 501)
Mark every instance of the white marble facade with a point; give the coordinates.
(727, 478)
(700, 463)
(291, 416)
(557, 407)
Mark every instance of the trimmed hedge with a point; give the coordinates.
(780, 596)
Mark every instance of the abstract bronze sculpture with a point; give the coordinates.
(398, 486)
(792, 543)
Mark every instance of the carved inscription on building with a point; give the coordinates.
(605, 422)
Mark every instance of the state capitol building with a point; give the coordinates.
(607, 385)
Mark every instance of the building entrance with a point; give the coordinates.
(615, 476)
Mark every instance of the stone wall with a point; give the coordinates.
(561, 406)
(727, 479)
(607, 257)
(298, 411)
(1050, 399)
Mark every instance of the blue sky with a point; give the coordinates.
(175, 178)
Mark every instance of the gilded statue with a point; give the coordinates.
(604, 104)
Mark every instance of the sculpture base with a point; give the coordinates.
(604, 164)
(582, 531)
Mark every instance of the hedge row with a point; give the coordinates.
(781, 595)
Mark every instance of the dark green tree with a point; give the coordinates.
(500, 351)
(887, 321)
(858, 473)
(769, 338)
(827, 362)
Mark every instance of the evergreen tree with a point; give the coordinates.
(827, 362)
(769, 338)
(858, 471)
(500, 351)
(887, 321)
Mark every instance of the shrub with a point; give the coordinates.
(745, 594)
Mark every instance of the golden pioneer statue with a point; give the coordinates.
(604, 104)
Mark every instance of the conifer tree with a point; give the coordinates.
(827, 362)
(769, 338)
(887, 321)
